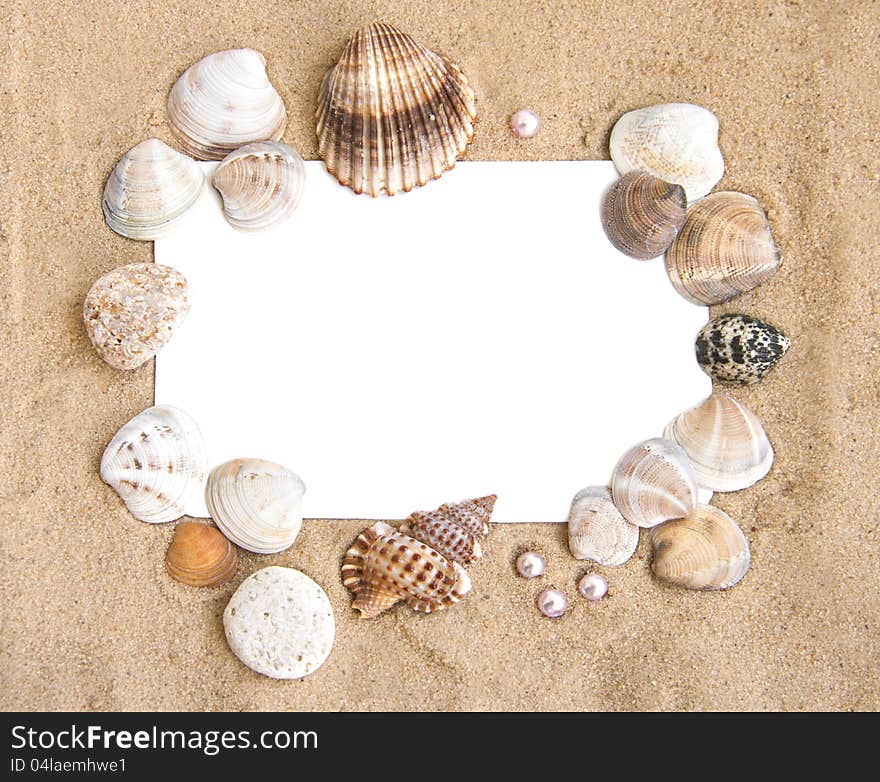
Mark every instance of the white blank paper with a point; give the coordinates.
(477, 335)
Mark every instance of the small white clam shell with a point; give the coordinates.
(256, 504)
(597, 530)
(725, 442)
(261, 184)
(150, 189)
(653, 482)
(677, 142)
(223, 101)
(157, 463)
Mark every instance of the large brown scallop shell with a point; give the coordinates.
(384, 567)
(707, 550)
(723, 249)
(200, 555)
(392, 115)
(641, 214)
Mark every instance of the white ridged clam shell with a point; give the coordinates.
(223, 101)
(677, 142)
(653, 482)
(725, 442)
(256, 504)
(261, 184)
(157, 464)
(597, 530)
(150, 189)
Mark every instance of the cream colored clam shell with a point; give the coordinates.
(256, 504)
(597, 530)
(677, 142)
(725, 442)
(653, 482)
(223, 101)
(261, 184)
(157, 463)
(149, 190)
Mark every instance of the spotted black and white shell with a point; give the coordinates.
(739, 349)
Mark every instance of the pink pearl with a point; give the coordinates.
(593, 586)
(525, 123)
(552, 603)
(530, 564)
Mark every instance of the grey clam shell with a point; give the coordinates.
(738, 349)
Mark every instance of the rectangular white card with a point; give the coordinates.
(477, 335)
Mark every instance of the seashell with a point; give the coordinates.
(149, 190)
(133, 311)
(677, 142)
(261, 184)
(725, 442)
(723, 249)
(706, 550)
(641, 214)
(385, 567)
(392, 115)
(597, 530)
(653, 482)
(280, 623)
(739, 349)
(256, 504)
(157, 464)
(200, 555)
(453, 530)
(224, 101)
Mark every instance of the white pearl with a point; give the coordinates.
(593, 586)
(525, 123)
(552, 603)
(530, 564)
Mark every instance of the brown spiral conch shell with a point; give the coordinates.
(597, 530)
(385, 567)
(392, 115)
(453, 530)
(641, 214)
(706, 550)
(723, 249)
(653, 482)
(200, 555)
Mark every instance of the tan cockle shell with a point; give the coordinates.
(725, 442)
(132, 312)
(149, 190)
(723, 249)
(597, 530)
(223, 101)
(256, 504)
(653, 482)
(200, 555)
(677, 142)
(453, 530)
(384, 567)
(706, 550)
(641, 214)
(392, 115)
(157, 464)
(261, 184)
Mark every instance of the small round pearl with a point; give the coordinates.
(530, 564)
(593, 586)
(525, 123)
(552, 603)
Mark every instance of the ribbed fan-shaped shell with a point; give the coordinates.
(725, 442)
(723, 249)
(257, 504)
(597, 530)
(707, 550)
(653, 482)
(157, 464)
(200, 555)
(223, 101)
(392, 115)
(641, 214)
(261, 184)
(454, 530)
(149, 190)
(738, 349)
(384, 567)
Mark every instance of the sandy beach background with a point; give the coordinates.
(90, 620)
